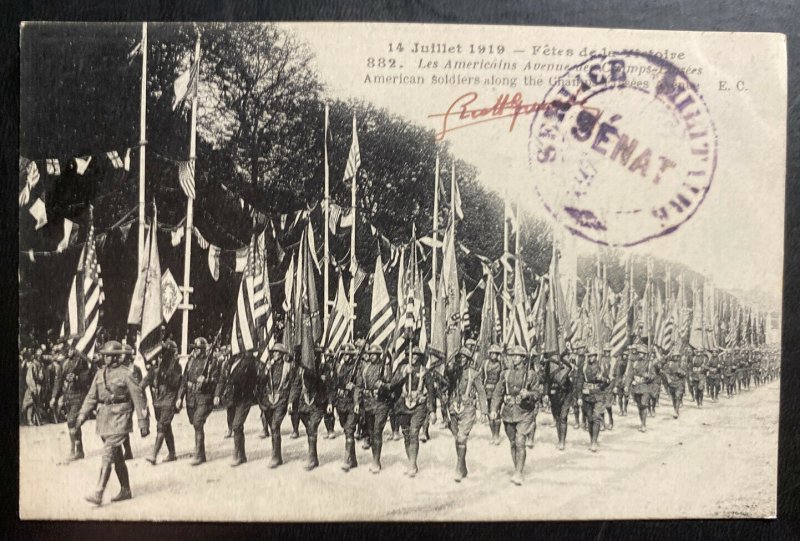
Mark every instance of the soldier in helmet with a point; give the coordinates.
(490, 375)
(619, 382)
(73, 384)
(638, 380)
(235, 392)
(373, 400)
(343, 399)
(326, 375)
(309, 391)
(164, 380)
(518, 392)
(674, 373)
(466, 395)
(273, 389)
(198, 384)
(594, 378)
(714, 370)
(609, 394)
(116, 395)
(559, 383)
(417, 400)
(729, 372)
(698, 370)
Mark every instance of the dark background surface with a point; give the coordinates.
(738, 15)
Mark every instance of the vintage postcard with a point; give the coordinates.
(393, 272)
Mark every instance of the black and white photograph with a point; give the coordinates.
(304, 271)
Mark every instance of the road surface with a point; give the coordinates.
(718, 461)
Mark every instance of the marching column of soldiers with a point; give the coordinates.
(366, 387)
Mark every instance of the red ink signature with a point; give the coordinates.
(505, 106)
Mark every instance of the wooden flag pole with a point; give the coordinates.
(142, 144)
(327, 209)
(187, 257)
(353, 261)
(435, 263)
(505, 267)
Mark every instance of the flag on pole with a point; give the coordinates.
(262, 297)
(555, 315)
(339, 320)
(620, 334)
(185, 84)
(354, 158)
(186, 177)
(464, 309)
(213, 261)
(451, 288)
(146, 310)
(31, 172)
(438, 341)
(68, 225)
(487, 335)
(244, 336)
(381, 316)
(39, 213)
(171, 295)
(521, 335)
(309, 317)
(85, 298)
(459, 211)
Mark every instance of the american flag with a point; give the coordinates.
(381, 317)
(186, 177)
(354, 158)
(83, 306)
(620, 337)
(252, 321)
(339, 320)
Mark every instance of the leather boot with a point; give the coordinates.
(71, 455)
(313, 459)
(199, 447)
(169, 439)
(461, 466)
(349, 453)
(424, 434)
(514, 453)
(264, 427)
(105, 473)
(610, 425)
(239, 457)
(156, 448)
(495, 426)
(529, 441)
(407, 444)
(124, 481)
(78, 454)
(413, 451)
(642, 419)
(127, 446)
(377, 445)
(277, 458)
(519, 465)
(562, 434)
(595, 435)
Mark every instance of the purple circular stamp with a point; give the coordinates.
(624, 149)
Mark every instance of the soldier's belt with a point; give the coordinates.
(515, 399)
(116, 400)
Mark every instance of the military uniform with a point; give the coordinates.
(714, 376)
(609, 394)
(33, 403)
(697, 374)
(518, 393)
(741, 370)
(343, 398)
(417, 400)
(72, 384)
(619, 383)
(466, 395)
(592, 383)
(198, 384)
(371, 394)
(490, 375)
(638, 382)
(674, 372)
(560, 389)
(326, 375)
(164, 381)
(235, 392)
(729, 373)
(273, 387)
(310, 392)
(115, 394)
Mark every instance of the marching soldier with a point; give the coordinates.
(235, 392)
(33, 403)
(199, 382)
(309, 391)
(714, 369)
(741, 370)
(490, 372)
(466, 394)
(697, 368)
(593, 380)
(326, 375)
(619, 382)
(127, 361)
(115, 394)
(518, 392)
(559, 388)
(342, 397)
(674, 373)
(273, 389)
(417, 400)
(578, 359)
(164, 380)
(73, 384)
(609, 394)
(639, 378)
(372, 399)
(729, 372)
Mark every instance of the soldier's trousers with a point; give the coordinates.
(593, 410)
(411, 423)
(73, 409)
(295, 416)
(310, 417)
(461, 423)
(198, 409)
(519, 431)
(330, 421)
(275, 415)
(240, 412)
(713, 387)
(560, 403)
(642, 400)
(375, 421)
(347, 420)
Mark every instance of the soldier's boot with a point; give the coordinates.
(156, 448)
(595, 435)
(562, 426)
(529, 440)
(377, 445)
(277, 459)
(169, 439)
(577, 416)
(239, 456)
(676, 408)
(264, 427)
(461, 452)
(313, 459)
(229, 433)
(96, 497)
(126, 444)
(407, 444)
(519, 465)
(494, 426)
(642, 419)
(424, 435)
(124, 481)
(295, 417)
(367, 436)
(78, 448)
(349, 441)
(413, 451)
(610, 424)
(199, 447)
(329, 426)
(71, 455)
